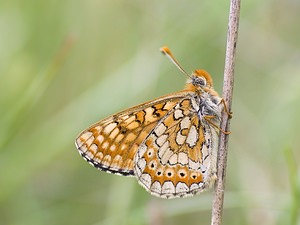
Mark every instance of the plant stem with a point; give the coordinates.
(225, 124)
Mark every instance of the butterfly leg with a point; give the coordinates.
(208, 118)
(226, 109)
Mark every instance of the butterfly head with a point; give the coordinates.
(200, 80)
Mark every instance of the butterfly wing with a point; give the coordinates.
(178, 157)
(111, 144)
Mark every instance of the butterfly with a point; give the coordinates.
(169, 144)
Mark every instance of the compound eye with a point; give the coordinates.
(200, 82)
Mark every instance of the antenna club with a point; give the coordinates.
(165, 50)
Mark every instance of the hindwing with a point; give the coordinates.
(177, 158)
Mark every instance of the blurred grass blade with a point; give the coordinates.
(14, 118)
(294, 184)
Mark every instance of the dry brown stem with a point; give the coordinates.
(232, 36)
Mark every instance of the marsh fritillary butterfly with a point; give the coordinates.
(169, 144)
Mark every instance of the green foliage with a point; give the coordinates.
(66, 64)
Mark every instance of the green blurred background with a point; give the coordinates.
(66, 64)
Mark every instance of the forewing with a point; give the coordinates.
(111, 144)
(176, 158)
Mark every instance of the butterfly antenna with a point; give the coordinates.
(166, 51)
